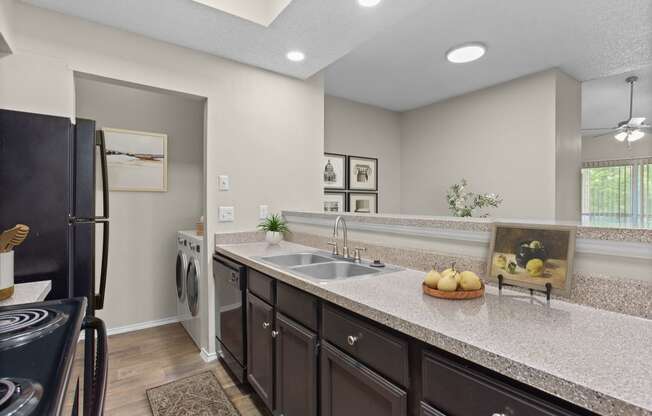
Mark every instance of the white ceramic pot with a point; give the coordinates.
(6, 274)
(273, 237)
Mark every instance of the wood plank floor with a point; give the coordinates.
(144, 359)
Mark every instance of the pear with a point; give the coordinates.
(451, 271)
(432, 278)
(500, 261)
(470, 281)
(534, 267)
(447, 283)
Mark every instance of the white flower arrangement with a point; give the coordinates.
(462, 203)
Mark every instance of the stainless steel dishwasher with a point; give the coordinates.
(230, 291)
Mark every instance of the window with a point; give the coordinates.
(617, 193)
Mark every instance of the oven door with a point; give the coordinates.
(230, 285)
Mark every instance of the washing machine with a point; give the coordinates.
(181, 269)
(191, 316)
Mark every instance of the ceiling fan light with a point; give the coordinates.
(636, 135)
(621, 136)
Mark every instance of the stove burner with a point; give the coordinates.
(19, 396)
(20, 326)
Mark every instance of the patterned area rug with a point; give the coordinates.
(198, 395)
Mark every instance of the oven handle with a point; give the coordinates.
(100, 372)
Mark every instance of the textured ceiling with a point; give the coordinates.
(324, 29)
(404, 67)
(605, 101)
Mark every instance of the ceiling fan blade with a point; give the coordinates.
(636, 121)
(597, 136)
(598, 130)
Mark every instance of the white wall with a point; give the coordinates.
(501, 139)
(144, 224)
(263, 129)
(357, 129)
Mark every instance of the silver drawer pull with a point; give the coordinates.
(274, 334)
(266, 325)
(499, 414)
(351, 340)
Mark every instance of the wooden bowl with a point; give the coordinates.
(457, 295)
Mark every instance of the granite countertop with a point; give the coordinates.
(28, 293)
(596, 359)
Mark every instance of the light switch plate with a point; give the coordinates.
(223, 182)
(226, 214)
(263, 212)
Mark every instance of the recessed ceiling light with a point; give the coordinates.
(368, 3)
(467, 52)
(296, 56)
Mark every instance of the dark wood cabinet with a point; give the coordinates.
(457, 390)
(296, 369)
(425, 410)
(349, 388)
(260, 348)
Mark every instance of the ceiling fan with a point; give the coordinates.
(630, 130)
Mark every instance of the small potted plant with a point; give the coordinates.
(274, 227)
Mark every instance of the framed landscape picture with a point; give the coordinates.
(334, 202)
(137, 161)
(363, 203)
(532, 255)
(363, 173)
(334, 171)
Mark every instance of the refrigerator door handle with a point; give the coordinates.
(99, 297)
(101, 143)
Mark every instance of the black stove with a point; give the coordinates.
(37, 348)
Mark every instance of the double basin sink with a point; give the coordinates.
(324, 266)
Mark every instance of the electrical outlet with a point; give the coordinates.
(223, 183)
(263, 212)
(226, 214)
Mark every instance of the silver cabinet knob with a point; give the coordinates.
(499, 414)
(266, 325)
(275, 334)
(351, 340)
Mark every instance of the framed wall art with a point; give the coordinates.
(530, 256)
(334, 171)
(363, 203)
(363, 173)
(137, 161)
(334, 202)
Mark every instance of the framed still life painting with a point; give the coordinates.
(531, 256)
(137, 161)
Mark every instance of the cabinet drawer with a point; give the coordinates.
(375, 347)
(261, 285)
(297, 305)
(459, 391)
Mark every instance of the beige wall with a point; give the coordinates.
(143, 224)
(5, 26)
(263, 129)
(608, 148)
(501, 139)
(568, 110)
(357, 129)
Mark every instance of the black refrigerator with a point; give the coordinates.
(47, 181)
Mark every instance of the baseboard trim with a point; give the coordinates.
(207, 356)
(142, 325)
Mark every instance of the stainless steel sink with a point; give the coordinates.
(335, 270)
(297, 259)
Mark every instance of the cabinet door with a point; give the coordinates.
(350, 388)
(426, 410)
(296, 369)
(260, 348)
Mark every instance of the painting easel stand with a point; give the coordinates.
(548, 290)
